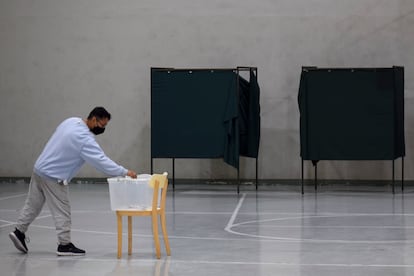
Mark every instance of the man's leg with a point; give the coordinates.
(57, 198)
(31, 209)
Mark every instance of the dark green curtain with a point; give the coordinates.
(194, 114)
(201, 114)
(249, 116)
(352, 114)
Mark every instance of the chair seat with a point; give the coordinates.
(125, 211)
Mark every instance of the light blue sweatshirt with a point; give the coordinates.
(67, 150)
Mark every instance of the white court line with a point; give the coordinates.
(8, 223)
(326, 227)
(300, 214)
(231, 224)
(116, 233)
(301, 217)
(243, 263)
(250, 238)
(256, 238)
(13, 196)
(234, 215)
(310, 240)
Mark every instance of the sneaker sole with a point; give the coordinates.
(17, 243)
(69, 254)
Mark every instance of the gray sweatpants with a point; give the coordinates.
(56, 197)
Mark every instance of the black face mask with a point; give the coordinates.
(98, 130)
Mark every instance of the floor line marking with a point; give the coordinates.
(253, 238)
(8, 223)
(288, 264)
(234, 215)
(301, 214)
(13, 196)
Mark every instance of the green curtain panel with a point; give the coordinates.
(195, 114)
(249, 116)
(351, 113)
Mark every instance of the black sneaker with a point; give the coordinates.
(18, 238)
(69, 250)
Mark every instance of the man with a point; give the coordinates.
(72, 144)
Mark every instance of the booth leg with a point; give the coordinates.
(302, 176)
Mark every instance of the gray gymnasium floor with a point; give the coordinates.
(341, 230)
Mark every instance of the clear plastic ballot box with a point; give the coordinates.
(127, 193)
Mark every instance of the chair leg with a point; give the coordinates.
(164, 233)
(129, 235)
(155, 234)
(119, 219)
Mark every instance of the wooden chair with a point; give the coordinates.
(157, 182)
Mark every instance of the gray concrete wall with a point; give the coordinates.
(61, 58)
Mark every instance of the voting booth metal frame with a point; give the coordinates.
(237, 70)
(397, 148)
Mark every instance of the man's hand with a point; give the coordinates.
(132, 174)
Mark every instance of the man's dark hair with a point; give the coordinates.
(100, 113)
